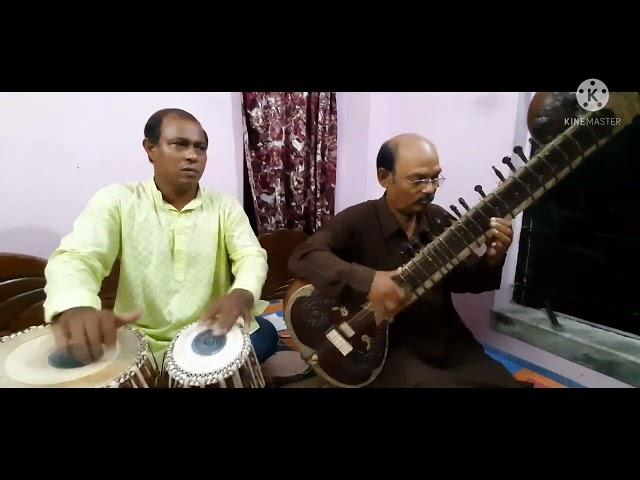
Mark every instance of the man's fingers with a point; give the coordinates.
(502, 229)
(225, 319)
(127, 318)
(80, 352)
(390, 305)
(213, 319)
(109, 329)
(222, 325)
(78, 343)
(95, 352)
(494, 235)
(246, 318)
(217, 327)
(93, 330)
(212, 314)
(61, 334)
(502, 221)
(499, 237)
(224, 314)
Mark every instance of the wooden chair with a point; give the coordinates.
(21, 292)
(279, 246)
(22, 284)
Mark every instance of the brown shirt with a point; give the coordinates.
(341, 258)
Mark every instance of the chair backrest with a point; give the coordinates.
(22, 294)
(279, 246)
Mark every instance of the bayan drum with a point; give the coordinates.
(198, 358)
(30, 359)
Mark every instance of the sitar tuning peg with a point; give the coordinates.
(455, 210)
(507, 162)
(478, 188)
(499, 174)
(518, 151)
(463, 203)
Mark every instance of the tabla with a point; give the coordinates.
(198, 358)
(27, 360)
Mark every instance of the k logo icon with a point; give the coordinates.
(592, 95)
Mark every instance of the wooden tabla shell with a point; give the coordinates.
(239, 369)
(131, 366)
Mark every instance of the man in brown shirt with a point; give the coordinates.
(358, 252)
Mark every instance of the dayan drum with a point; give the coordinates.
(198, 358)
(31, 359)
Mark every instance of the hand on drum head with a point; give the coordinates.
(83, 331)
(225, 311)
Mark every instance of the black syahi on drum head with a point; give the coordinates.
(206, 343)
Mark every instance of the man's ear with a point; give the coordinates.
(149, 147)
(384, 177)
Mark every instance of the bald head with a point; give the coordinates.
(405, 145)
(409, 170)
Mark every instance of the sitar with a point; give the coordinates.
(345, 344)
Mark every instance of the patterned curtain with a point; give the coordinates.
(290, 147)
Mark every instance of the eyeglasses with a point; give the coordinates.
(436, 182)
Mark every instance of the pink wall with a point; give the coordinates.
(353, 141)
(57, 149)
(471, 131)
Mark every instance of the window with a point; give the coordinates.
(579, 246)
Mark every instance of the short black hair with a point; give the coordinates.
(153, 128)
(387, 157)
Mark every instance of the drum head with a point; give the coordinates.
(197, 351)
(24, 361)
